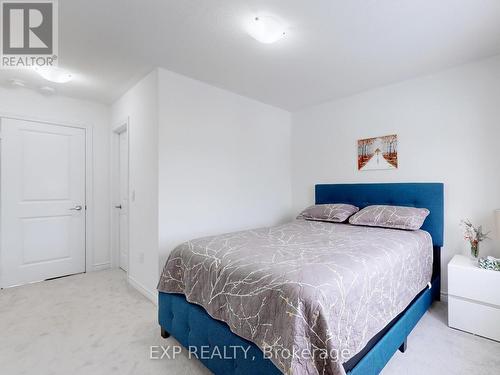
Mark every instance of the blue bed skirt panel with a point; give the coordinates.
(375, 360)
(191, 325)
(194, 328)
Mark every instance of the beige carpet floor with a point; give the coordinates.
(97, 324)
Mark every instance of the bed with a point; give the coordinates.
(195, 327)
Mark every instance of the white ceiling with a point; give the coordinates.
(333, 48)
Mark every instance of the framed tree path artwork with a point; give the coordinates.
(378, 153)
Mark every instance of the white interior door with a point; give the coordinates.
(42, 201)
(123, 204)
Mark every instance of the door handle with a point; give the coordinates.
(119, 206)
(76, 208)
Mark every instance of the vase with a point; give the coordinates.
(474, 249)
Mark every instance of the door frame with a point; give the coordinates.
(89, 182)
(115, 192)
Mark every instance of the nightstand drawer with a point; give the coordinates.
(467, 280)
(473, 317)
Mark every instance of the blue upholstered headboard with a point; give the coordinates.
(424, 195)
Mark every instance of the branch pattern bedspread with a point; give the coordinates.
(309, 294)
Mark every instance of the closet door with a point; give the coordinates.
(42, 201)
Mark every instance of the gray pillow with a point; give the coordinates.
(336, 213)
(397, 217)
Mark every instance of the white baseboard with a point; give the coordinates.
(444, 296)
(102, 266)
(150, 295)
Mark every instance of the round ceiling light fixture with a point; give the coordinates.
(266, 29)
(54, 74)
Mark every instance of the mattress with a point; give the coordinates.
(309, 294)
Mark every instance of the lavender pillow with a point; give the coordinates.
(397, 217)
(336, 213)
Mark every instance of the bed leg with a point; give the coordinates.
(164, 333)
(403, 346)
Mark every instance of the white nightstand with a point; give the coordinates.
(473, 298)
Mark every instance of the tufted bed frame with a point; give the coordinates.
(194, 328)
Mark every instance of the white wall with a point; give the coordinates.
(224, 162)
(28, 103)
(140, 106)
(202, 161)
(449, 131)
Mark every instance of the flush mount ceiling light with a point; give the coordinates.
(54, 74)
(266, 29)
